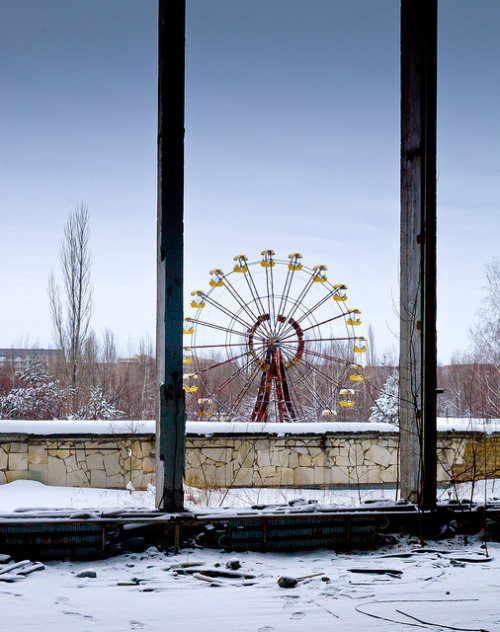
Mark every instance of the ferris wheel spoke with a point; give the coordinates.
(217, 346)
(239, 299)
(219, 364)
(309, 380)
(256, 298)
(227, 311)
(296, 400)
(270, 295)
(306, 379)
(260, 356)
(315, 325)
(219, 327)
(286, 290)
(247, 387)
(325, 356)
(315, 307)
(224, 407)
(297, 303)
(231, 378)
(335, 339)
(253, 289)
(321, 373)
(262, 345)
(288, 349)
(324, 322)
(288, 352)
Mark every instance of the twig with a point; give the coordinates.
(412, 625)
(441, 625)
(299, 579)
(377, 616)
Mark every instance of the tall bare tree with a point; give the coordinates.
(71, 315)
(486, 339)
(372, 351)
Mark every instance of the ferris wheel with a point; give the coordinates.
(271, 341)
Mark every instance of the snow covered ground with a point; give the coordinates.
(442, 586)
(23, 494)
(452, 586)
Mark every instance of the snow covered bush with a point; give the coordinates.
(37, 396)
(386, 407)
(45, 401)
(98, 406)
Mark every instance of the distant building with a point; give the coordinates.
(19, 358)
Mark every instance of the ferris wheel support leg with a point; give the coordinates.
(260, 411)
(285, 407)
(287, 397)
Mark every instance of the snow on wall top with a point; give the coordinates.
(76, 427)
(281, 429)
(465, 424)
(79, 427)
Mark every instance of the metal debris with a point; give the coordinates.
(291, 582)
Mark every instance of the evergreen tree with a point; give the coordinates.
(98, 406)
(386, 407)
(38, 397)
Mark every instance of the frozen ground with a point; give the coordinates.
(443, 586)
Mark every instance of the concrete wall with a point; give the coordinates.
(106, 461)
(225, 456)
(291, 461)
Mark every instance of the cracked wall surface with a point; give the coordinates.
(106, 462)
(232, 460)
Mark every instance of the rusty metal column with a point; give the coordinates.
(170, 421)
(418, 356)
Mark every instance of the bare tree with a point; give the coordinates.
(108, 347)
(372, 351)
(71, 315)
(89, 369)
(486, 334)
(486, 338)
(107, 357)
(148, 377)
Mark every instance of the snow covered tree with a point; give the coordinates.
(98, 406)
(36, 372)
(386, 407)
(38, 396)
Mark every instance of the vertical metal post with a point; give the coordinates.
(418, 358)
(170, 423)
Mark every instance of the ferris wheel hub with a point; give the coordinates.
(273, 343)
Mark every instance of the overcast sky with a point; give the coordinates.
(292, 143)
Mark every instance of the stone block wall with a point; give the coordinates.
(291, 461)
(96, 461)
(220, 456)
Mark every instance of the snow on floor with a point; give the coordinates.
(23, 494)
(446, 585)
(32, 494)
